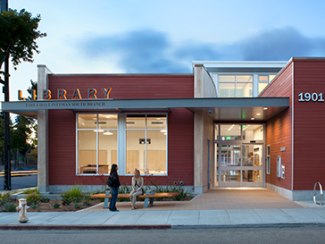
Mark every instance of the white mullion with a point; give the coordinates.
(97, 143)
(166, 144)
(77, 145)
(145, 148)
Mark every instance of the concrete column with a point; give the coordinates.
(42, 121)
(203, 130)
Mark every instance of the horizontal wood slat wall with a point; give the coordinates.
(279, 129)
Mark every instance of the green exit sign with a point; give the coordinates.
(228, 138)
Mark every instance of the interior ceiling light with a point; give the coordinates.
(163, 131)
(108, 116)
(108, 133)
(258, 114)
(94, 118)
(252, 118)
(265, 108)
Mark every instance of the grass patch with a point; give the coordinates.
(31, 191)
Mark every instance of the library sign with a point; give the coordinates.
(62, 94)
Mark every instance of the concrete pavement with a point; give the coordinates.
(222, 208)
(167, 219)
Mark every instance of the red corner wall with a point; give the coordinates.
(62, 124)
(279, 129)
(309, 124)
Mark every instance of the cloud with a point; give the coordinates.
(144, 51)
(149, 51)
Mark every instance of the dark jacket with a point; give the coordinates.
(115, 179)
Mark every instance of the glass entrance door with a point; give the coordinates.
(238, 162)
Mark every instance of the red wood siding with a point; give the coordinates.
(125, 86)
(279, 129)
(62, 124)
(309, 121)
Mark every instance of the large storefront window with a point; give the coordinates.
(146, 143)
(96, 143)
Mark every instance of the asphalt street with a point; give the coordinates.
(303, 234)
(20, 182)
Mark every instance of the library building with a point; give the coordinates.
(247, 124)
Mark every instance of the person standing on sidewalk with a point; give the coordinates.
(114, 188)
(137, 187)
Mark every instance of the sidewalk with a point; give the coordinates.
(214, 209)
(167, 219)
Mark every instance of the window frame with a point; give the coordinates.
(268, 159)
(125, 129)
(235, 82)
(97, 141)
(268, 81)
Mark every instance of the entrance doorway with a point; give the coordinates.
(238, 155)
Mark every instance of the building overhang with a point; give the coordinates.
(224, 109)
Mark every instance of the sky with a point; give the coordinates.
(164, 36)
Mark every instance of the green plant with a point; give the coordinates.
(56, 205)
(76, 205)
(31, 190)
(34, 205)
(72, 195)
(66, 202)
(10, 207)
(125, 189)
(86, 203)
(44, 199)
(6, 197)
(34, 197)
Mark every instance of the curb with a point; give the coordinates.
(266, 225)
(84, 227)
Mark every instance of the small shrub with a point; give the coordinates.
(2, 202)
(6, 197)
(44, 199)
(9, 207)
(34, 205)
(87, 198)
(66, 202)
(34, 197)
(56, 205)
(86, 203)
(76, 205)
(72, 195)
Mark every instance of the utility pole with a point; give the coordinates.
(5, 90)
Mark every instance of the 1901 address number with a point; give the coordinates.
(306, 97)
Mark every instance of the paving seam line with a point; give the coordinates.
(194, 198)
(89, 207)
(83, 227)
(260, 225)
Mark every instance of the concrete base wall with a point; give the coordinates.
(294, 195)
(57, 189)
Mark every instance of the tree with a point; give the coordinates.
(31, 88)
(18, 32)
